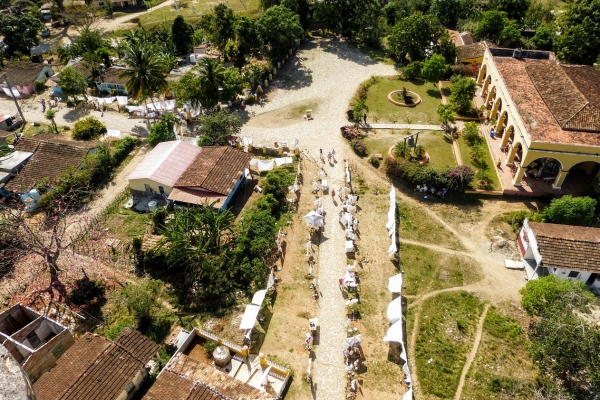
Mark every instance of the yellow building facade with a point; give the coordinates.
(547, 114)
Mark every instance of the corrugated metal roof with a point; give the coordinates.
(166, 162)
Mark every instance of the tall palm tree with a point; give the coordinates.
(145, 73)
(212, 77)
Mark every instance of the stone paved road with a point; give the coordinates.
(324, 73)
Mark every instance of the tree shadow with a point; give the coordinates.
(295, 75)
(73, 114)
(434, 93)
(345, 51)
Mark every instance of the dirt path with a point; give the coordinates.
(472, 354)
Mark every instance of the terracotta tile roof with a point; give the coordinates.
(217, 381)
(22, 73)
(80, 67)
(194, 196)
(587, 80)
(111, 75)
(567, 246)
(138, 345)
(200, 392)
(467, 38)
(168, 386)
(215, 169)
(537, 116)
(470, 51)
(48, 161)
(54, 138)
(69, 367)
(26, 144)
(95, 368)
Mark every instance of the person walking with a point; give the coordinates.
(329, 157)
(43, 105)
(332, 194)
(341, 281)
(333, 154)
(340, 215)
(365, 118)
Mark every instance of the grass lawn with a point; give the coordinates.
(126, 224)
(472, 113)
(426, 270)
(415, 225)
(466, 158)
(502, 367)
(193, 10)
(445, 336)
(436, 143)
(382, 110)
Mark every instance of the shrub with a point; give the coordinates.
(250, 99)
(209, 347)
(374, 161)
(463, 91)
(88, 129)
(85, 291)
(359, 148)
(277, 182)
(124, 147)
(160, 132)
(413, 70)
(571, 210)
(470, 134)
(350, 132)
(40, 84)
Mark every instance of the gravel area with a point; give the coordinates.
(323, 74)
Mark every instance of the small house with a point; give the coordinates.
(185, 173)
(110, 80)
(33, 339)
(11, 163)
(567, 251)
(97, 368)
(22, 76)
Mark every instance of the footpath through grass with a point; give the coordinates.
(445, 335)
(427, 270)
(502, 367)
(383, 111)
(415, 224)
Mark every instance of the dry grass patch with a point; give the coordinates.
(415, 224)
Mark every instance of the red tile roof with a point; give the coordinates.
(23, 73)
(216, 169)
(558, 104)
(215, 380)
(95, 368)
(170, 385)
(471, 51)
(48, 161)
(568, 246)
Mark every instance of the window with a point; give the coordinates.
(573, 274)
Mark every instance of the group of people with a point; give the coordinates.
(330, 156)
(433, 191)
(52, 103)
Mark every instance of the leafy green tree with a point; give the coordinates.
(219, 26)
(571, 210)
(277, 182)
(579, 41)
(233, 84)
(462, 94)
(416, 36)
(20, 33)
(219, 129)
(141, 300)
(212, 77)
(182, 34)
(491, 25)
(50, 115)
(544, 37)
(188, 90)
(246, 41)
(544, 296)
(359, 110)
(145, 74)
(540, 12)
(301, 8)
(435, 68)
(470, 133)
(280, 30)
(413, 70)
(88, 128)
(160, 132)
(510, 36)
(71, 82)
(447, 11)
(446, 115)
(514, 9)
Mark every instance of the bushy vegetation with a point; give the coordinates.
(571, 210)
(563, 340)
(88, 128)
(456, 178)
(86, 290)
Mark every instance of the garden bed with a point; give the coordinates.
(381, 110)
(471, 115)
(466, 158)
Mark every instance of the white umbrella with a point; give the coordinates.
(394, 310)
(395, 284)
(263, 378)
(394, 334)
(313, 218)
(259, 297)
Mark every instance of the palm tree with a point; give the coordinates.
(446, 115)
(212, 78)
(50, 116)
(145, 73)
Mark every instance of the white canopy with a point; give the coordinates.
(263, 378)
(395, 284)
(394, 310)
(349, 246)
(249, 317)
(394, 334)
(313, 218)
(259, 297)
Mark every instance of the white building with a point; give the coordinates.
(567, 251)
